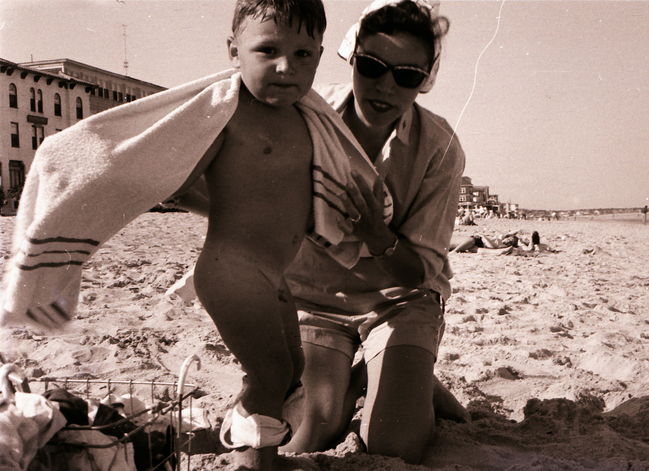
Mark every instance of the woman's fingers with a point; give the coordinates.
(351, 209)
(377, 191)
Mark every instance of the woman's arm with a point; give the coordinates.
(392, 253)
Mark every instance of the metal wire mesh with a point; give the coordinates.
(163, 414)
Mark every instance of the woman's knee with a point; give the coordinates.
(408, 447)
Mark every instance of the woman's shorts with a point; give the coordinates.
(416, 322)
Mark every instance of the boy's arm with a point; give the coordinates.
(195, 199)
(193, 194)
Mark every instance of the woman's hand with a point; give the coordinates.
(365, 208)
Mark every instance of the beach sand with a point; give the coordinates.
(550, 351)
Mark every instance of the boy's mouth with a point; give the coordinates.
(284, 85)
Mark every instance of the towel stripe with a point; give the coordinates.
(47, 314)
(322, 184)
(49, 265)
(328, 176)
(387, 203)
(60, 311)
(331, 204)
(83, 252)
(63, 239)
(320, 240)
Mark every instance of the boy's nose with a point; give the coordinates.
(284, 66)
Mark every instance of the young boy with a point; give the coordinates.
(258, 179)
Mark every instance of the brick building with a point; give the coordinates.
(42, 98)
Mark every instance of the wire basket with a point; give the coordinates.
(157, 434)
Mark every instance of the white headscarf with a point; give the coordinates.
(348, 45)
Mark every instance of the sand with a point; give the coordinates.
(550, 351)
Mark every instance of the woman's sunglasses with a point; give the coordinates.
(405, 76)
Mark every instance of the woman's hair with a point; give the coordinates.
(308, 13)
(406, 17)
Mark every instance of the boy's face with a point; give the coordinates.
(277, 62)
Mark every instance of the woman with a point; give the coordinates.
(392, 301)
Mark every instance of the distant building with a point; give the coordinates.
(466, 190)
(111, 89)
(42, 98)
(472, 195)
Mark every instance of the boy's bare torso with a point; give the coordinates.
(259, 182)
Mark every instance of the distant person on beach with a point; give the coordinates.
(391, 302)
(500, 245)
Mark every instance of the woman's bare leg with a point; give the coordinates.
(398, 419)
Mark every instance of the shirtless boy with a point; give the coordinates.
(259, 186)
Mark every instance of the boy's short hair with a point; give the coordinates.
(308, 13)
(406, 17)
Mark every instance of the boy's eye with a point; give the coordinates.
(303, 53)
(267, 50)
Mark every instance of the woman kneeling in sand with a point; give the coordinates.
(391, 303)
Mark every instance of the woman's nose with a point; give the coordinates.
(385, 83)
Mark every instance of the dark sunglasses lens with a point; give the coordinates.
(369, 67)
(408, 78)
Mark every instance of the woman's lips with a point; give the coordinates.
(380, 106)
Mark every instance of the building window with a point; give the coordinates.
(38, 136)
(79, 108)
(15, 135)
(114, 95)
(40, 101)
(463, 189)
(462, 199)
(32, 99)
(106, 93)
(16, 173)
(57, 104)
(13, 96)
(100, 92)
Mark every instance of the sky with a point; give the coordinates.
(549, 99)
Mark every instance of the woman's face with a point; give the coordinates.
(380, 101)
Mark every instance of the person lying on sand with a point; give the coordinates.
(500, 245)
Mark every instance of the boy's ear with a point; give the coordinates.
(233, 51)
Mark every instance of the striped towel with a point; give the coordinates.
(90, 180)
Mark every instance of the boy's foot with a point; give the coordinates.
(262, 459)
(251, 459)
(295, 463)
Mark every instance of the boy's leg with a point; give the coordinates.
(292, 333)
(397, 416)
(246, 306)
